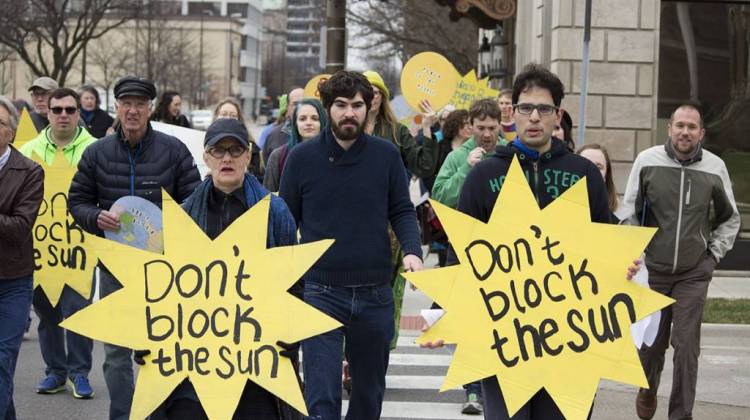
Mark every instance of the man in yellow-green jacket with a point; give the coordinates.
(74, 363)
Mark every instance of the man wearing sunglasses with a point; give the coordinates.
(133, 161)
(67, 355)
(551, 169)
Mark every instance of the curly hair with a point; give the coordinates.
(534, 75)
(455, 122)
(345, 84)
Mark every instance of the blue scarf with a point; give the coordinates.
(87, 115)
(281, 227)
(531, 153)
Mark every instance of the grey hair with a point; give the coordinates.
(8, 105)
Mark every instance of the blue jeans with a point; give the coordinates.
(366, 313)
(118, 362)
(53, 339)
(15, 303)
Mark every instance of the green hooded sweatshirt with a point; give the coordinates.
(452, 174)
(43, 146)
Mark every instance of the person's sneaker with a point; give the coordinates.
(645, 404)
(50, 385)
(81, 388)
(472, 405)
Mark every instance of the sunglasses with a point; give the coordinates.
(70, 110)
(234, 151)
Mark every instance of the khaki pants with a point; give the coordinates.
(683, 318)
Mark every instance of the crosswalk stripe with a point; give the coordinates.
(420, 410)
(411, 359)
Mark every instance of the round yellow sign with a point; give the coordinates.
(430, 76)
(311, 88)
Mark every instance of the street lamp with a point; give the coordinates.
(485, 57)
(497, 47)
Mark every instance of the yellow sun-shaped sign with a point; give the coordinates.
(539, 298)
(469, 89)
(209, 311)
(62, 253)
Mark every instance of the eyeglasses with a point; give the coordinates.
(542, 109)
(234, 151)
(70, 110)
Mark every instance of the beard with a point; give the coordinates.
(347, 133)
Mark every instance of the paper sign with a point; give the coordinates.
(539, 298)
(140, 224)
(193, 139)
(311, 88)
(209, 311)
(25, 131)
(430, 76)
(62, 253)
(470, 89)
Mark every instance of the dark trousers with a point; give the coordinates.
(366, 313)
(15, 302)
(118, 362)
(683, 320)
(65, 353)
(540, 406)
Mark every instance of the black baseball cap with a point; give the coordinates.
(135, 86)
(224, 128)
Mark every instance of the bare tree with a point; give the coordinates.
(49, 35)
(406, 27)
(112, 61)
(171, 58)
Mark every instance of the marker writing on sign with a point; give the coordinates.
(597, 323)
(235, 324)
(65, 237)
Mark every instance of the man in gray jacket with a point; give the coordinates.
(685, 191)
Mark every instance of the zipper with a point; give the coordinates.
(687, 196)
(679, 220)
(535, 164)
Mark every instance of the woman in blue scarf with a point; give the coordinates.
(220, 199)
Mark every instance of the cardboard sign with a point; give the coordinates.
(540, 298)
(469, 89)
(311, 88)
(25, 131)
(209, 311)
(62, 253)
(430, 76)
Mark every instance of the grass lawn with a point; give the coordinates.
(727, 311)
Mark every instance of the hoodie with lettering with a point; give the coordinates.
(549, 174)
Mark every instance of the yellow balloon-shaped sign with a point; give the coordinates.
(311, 88)
(429, 76)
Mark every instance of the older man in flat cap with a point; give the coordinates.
(133, 161)
(40, 90)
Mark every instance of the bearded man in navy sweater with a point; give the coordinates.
(349, 186)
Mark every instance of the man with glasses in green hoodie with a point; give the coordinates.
(66, 354)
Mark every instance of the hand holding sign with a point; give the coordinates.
(537, 295)
(211, 311)
(428, 76)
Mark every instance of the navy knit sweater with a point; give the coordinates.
(350, 196)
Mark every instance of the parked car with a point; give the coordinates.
(201, 118)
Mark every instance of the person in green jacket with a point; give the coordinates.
(67, 355)
(484, 117)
